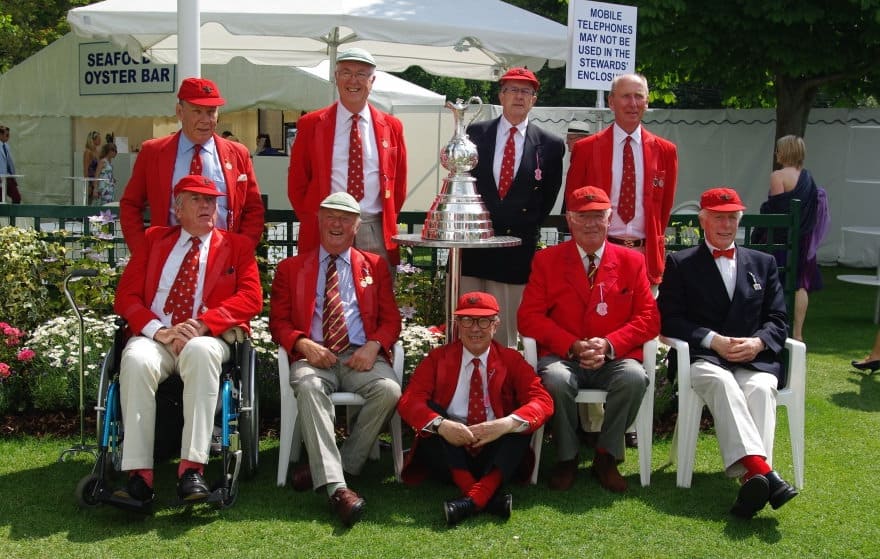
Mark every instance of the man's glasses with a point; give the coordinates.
(527, 91)
(360, 76)
(483, 322)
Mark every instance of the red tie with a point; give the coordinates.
(195, 166)
(355, 161)
(333, 315)
(505, 179)
(476, 404)
(591, 270)
(180, 299)
(728, 252)
(626, 204)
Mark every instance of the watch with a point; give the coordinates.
(435, 425)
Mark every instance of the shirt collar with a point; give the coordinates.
(620, 134)
(345, 256)
(712, 247)
(504, 126)
(467, 356)
(344, 115)
(185, 236)
(186, 144)
(599, 252)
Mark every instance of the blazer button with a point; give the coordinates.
(524, 210)
(508, 231)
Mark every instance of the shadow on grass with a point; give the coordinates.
(866, 398)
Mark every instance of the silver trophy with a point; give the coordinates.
(458, 212)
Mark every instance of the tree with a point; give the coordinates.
(26, 26)
(764, 52)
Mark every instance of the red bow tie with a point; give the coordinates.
(726, 252)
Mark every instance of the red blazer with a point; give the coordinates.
(294, 290)
(150, 186)
(308, 177)
(232, 293)
(558, 306)
(513, 388)
(591, 166)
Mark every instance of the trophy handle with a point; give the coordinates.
(475, 101)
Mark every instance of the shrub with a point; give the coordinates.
(15, 359)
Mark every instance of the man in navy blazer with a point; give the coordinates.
(727, 303)
(519, 210)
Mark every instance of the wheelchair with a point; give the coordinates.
(236, 422)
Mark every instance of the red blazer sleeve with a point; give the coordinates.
(375, 294)
(293, 301)
(519, 391)
(245, 199)
(432, 380)
(152, 169)
(308, 177)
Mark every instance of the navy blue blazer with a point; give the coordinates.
(693, 301)
(521, 212)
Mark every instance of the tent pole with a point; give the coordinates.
(188, 40)
(333, 44)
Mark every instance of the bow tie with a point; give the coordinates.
(726, 252)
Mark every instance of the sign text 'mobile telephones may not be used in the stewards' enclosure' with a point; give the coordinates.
(105, 69)
(602, 40)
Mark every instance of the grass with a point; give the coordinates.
(835, 515)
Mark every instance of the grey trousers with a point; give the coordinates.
(626, 383)
(313, 386)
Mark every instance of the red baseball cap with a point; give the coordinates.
(522, 74)
(477, 303)
(200, 91)
(721, 199)
(197, 183)
(587, 198)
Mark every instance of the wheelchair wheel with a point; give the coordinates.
(249, 420)
(86, 490)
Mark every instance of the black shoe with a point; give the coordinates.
(863, 365)
(457, 510)
(501, 505)
(136, 489)
(631, 440)
(752, 497)
(780, 491)
(192, 486)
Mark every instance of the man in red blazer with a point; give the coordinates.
(162, 162)
(478, 449)
(589, 306)
(307, 308)
(183, 338)
(319, 160)
(599, 160)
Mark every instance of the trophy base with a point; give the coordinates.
(458, 213)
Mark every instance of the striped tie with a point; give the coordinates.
(333, 316)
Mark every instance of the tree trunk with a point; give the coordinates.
(794, 99)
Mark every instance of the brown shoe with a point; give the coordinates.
(301, 477)
(631, 440)
(348, 505)
(605, 469)
(564, 474)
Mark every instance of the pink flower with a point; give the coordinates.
(25, 354)
(5, 371)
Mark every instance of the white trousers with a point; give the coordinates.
(743, 405)
(145, 364)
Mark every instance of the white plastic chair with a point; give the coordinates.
(644, 420)
(690, 408)
(290, 439)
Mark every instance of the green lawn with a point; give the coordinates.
(835, 515)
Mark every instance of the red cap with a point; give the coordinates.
(522, 74)
(587, 198)
(200, 91)
(477, 303)
(197, 183)
(721, 199)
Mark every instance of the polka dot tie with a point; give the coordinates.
(195, 166)
(181, 298)
(505, 179)
(355, 161)
(333, 315)
(476, 402)
(626, 205)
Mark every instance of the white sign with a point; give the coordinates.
(104, 69)
(602, 39)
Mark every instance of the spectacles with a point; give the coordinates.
(527, 91)
(483, 322)
(584, 218)
(360, 76)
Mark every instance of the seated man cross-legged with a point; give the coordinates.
(333, 310)
(589, 307)
(473, 404)
(191, 284)
(727, 303)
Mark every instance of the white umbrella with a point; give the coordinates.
(460, 38)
